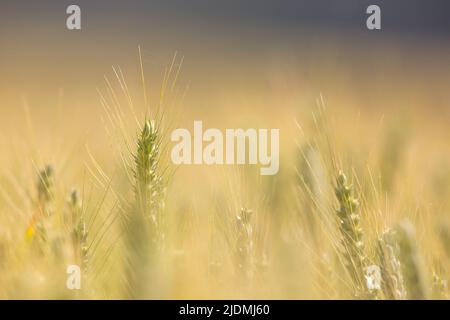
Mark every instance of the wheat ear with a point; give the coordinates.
(144, 231)
(79, 230)
(244, 242)
(351, 231)
(392, 283)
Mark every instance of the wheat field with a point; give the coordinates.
(363, 184)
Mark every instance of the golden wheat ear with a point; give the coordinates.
(388, 250)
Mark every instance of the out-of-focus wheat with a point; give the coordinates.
(411, 262)
(392, 284)
(352, 234)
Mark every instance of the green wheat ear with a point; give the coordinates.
(144, 226)
(149, 187)
(349, 225)
(411, 261)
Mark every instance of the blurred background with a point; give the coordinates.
(260, 56)
(318, 46)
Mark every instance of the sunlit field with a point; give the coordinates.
(359, 208)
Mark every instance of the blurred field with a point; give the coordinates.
(379, 114)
